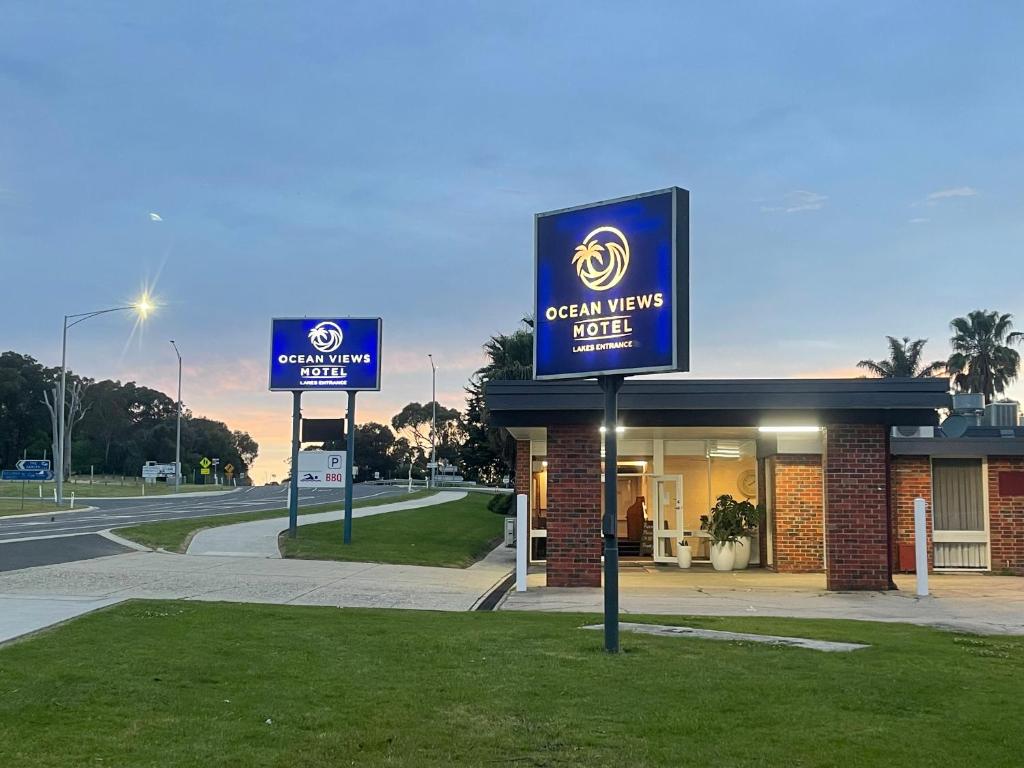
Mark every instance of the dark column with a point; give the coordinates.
(856, 507)
(574, 506)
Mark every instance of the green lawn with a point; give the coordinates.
(204, 684)
(174, 535)
(454, 534)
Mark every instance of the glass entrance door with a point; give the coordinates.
(668, 516)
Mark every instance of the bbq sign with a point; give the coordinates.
(612, 287)
(325, 353)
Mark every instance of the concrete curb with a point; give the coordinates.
(111, 536)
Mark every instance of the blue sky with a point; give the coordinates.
(854, 171)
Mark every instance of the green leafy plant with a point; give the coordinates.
(729, 520)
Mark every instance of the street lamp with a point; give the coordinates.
(433, 422)
(142, 307)
(177, 438)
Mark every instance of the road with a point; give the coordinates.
(26, 541)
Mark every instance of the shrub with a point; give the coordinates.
(502, 504)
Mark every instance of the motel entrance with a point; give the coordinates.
(816, 455)
(666, 480)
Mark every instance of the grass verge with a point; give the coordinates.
(206, 684)
(11, 503)
(454, 535)
(174, 535)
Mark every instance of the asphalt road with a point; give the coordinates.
(26, 541)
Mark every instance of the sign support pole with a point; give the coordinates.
(350, 449)
(609, 523)
(293, 495)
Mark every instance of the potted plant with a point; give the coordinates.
(724, 527)
(684, 557)
(750, 517)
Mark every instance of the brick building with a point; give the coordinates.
(836, 464)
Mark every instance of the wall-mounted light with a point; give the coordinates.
(619, 429)
(801, 428)
(544, 463)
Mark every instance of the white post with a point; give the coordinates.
(72, 499)
(921, 546)
(522, 542)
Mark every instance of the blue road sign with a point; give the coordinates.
(612, 287)
(25, 474)
(34, 464)
(309, 354)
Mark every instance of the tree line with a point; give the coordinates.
(112, 427)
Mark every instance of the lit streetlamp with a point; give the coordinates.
(142, 308)
(177, 438)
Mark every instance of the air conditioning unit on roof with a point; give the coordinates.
(904, 432)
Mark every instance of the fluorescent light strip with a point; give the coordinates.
(618, 430)
(807, 428)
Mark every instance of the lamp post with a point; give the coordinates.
(142, 307)
(177, 437)
(433, 422)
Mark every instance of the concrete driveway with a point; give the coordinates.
(33, 598)
(962, 602)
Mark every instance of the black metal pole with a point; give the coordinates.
(350, 449)
(609, 523)
(293, 496)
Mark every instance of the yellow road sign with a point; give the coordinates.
(205, 463)
(204, 471)
(229, 469)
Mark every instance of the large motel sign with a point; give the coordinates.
(612, 300)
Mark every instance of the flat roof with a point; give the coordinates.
(722, 402)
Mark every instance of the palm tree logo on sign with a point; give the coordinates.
(601, 261)
(325, 336)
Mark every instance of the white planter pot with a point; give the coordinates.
(742, 550)
(723, 556)
(684, 556)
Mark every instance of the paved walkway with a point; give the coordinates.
(35, 597)
(259, 538)
(962, 602)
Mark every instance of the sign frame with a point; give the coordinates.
(680, 287)
(321, 318)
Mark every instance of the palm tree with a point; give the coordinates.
(904, 361)
(488, 452)
(982, 360)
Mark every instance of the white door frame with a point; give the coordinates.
(964, 537)
(660, 532)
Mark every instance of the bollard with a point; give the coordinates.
(921, 546)
(522, 542)
(72, 499)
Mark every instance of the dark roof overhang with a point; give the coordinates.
(724, 403)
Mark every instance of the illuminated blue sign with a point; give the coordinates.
(341, 353)
(612, 287)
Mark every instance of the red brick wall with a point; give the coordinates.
(1006, 518)
(524, 468)
(574, 507)
(910, 477)
(798, 526)
(856, 507)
